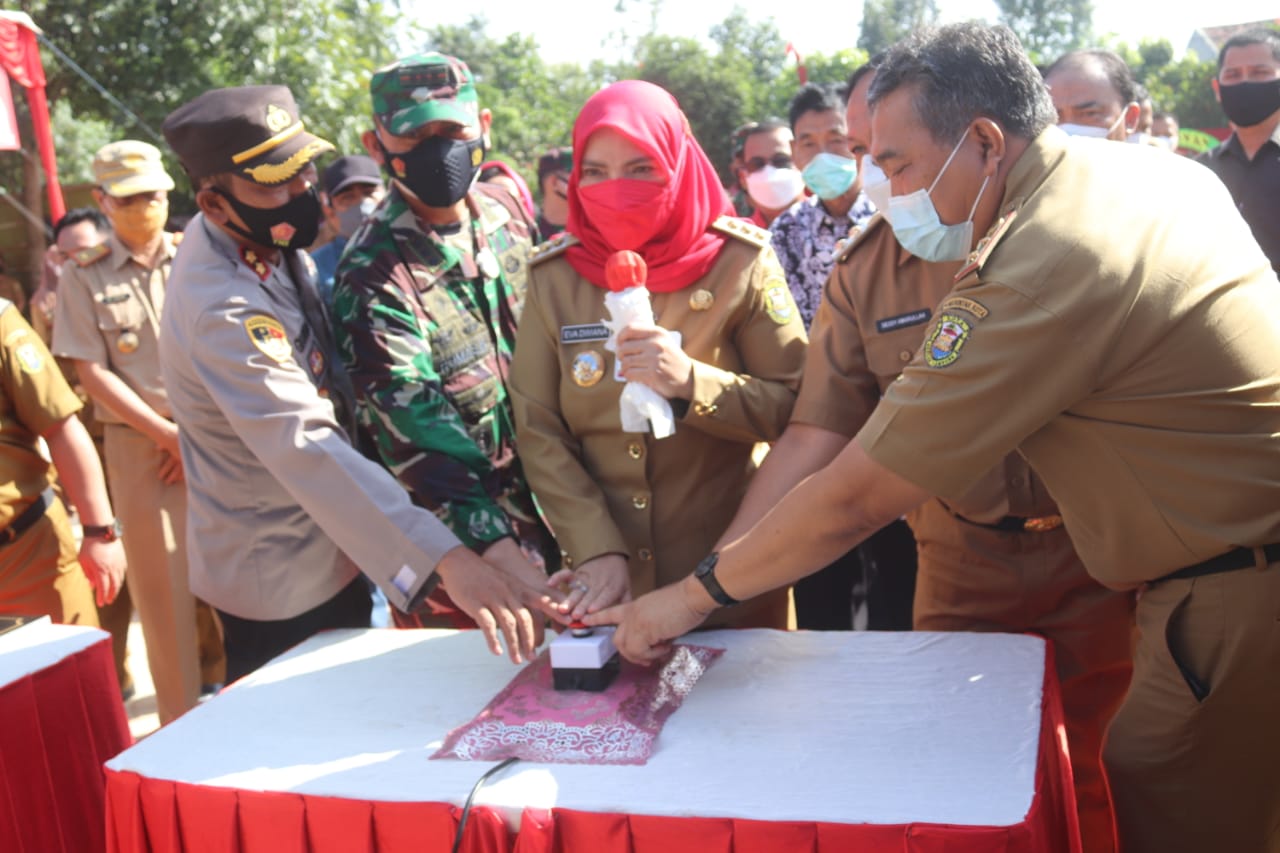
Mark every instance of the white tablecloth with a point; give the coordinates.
(38, 644)
(883, 728)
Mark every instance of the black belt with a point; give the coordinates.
(27, 517)
(1236, 558)
(1018, 524)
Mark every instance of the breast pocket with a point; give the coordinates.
(122, 319)
(888, 354)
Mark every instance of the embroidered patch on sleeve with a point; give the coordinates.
(30, 358)
(944, 343)
(269, 336)
(962, 303)
(777, 302)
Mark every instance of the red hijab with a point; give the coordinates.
(683, 248)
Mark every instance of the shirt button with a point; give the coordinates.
(635, 450)
(645, 554)
(905, 355)
(640, 501)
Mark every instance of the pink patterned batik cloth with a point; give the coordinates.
(533, 721)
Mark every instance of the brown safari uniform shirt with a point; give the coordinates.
(662, 503)
(1125, 341)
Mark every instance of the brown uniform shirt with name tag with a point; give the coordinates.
(663, 503)
(876, 307)
(1131, 357)
(108, 312)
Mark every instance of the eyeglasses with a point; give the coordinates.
(777, 161)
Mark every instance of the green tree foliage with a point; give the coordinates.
(885, 22)
(1048, 28)
(1183, 87)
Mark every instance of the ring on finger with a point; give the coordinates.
(580, 586)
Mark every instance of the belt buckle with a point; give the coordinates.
(1043, 524)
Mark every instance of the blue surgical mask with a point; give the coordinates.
(916, 224)
(830, 175)
(351, 218)
(875, 183)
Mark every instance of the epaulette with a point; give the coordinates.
(857, 234)
(91, 255)
(988, 243)
(255, 263)
(743, 230)
(553, 247)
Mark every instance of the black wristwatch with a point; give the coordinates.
(106, 532)
(706, 574)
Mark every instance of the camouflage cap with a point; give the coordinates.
(421, 88)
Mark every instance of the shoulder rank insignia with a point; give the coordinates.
(269, 336)
(987, 244)
(255, 263)
(91, 255)
(553, 247)
(743, 230)
(856, 235)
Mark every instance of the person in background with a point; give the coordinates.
(498, 172)
(284, 512)
(1164, 130)
(351, 188)
(1248, 88)
(631, 511)
(1094, 94)
(554, 169)
(738, 193)
(1146, 116)
(768, 171)
(428, 298)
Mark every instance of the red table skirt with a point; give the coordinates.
(57, 727)
(145, 815)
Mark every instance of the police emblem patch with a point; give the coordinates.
(778, 303)
(944, 343)
(269, 336)
(282, 233)
(30, 358)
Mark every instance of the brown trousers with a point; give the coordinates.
(40, 574)
(1194, 753)
(976, 579)
(154, 520)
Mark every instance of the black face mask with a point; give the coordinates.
(292, 225)
(438, 170)
(1247, 104)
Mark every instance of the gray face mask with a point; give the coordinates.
(349, 220)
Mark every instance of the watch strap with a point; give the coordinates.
(706, 575)
(110, 532)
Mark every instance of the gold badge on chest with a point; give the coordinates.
(127, 342)
(588, 367)
(701, 300)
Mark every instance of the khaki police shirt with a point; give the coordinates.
(33, 398)
(108, 312)
(876, 306)
(663, 503)
(281, 509)
(1121, 329)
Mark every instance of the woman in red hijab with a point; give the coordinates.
(632, 512)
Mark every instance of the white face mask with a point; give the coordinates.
(1169, 142)
(915, 221)
(875, 183)
(775, 189)
(1092, 130)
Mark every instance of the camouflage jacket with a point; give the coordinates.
(427, 333)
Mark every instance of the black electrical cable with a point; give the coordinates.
(466, 807)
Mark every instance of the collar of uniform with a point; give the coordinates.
(1233, 147)
(120, 254)
(427, 255)
(227, 247)
(490, 213)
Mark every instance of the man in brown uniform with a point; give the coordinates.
(1135, 373)
(38, 572)
(107, 316)
(997, 559)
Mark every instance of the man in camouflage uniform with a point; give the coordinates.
(426, 301)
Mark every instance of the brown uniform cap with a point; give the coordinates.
(251, 131)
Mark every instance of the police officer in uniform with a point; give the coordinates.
(629, 510)
(38, 571)
(283, 512)
(998, 558)
(425, 309)
(1129, 355)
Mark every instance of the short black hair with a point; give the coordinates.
(814, 98)
(862, 71)
(82, 214)
(964, 71)
(1271, 38)
(1115, 69)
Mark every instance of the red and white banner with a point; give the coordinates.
(8, 119)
